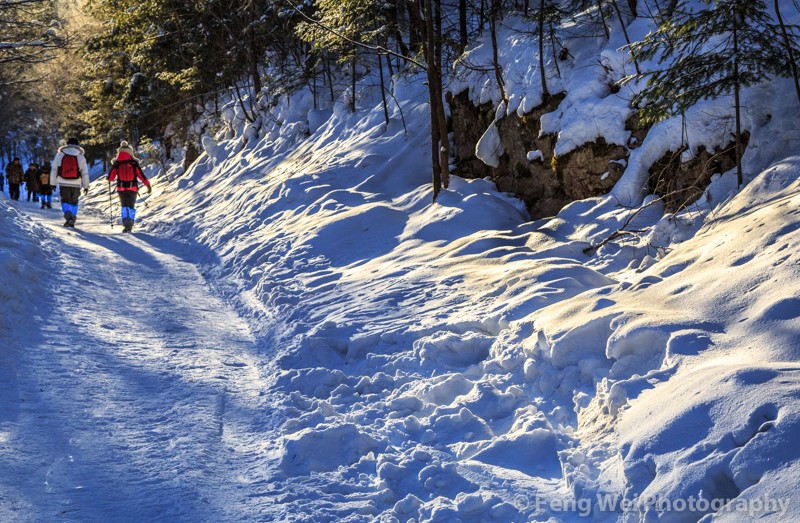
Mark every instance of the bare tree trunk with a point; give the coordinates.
(353, 83)
(737, 103)
(667, 11)
(327, 68)
(167, 147)
(463, 36)
(415, 37)
(542, 73)
(553, 48)
(314, 85)
(383, 89)
(625, 32)
(254, 50)
(249, 117)
(428, 50)
(192, 154)
(389, 60)
(787, 43)
(603, 18)
(402, 48)
(444, 140)
(498, 74)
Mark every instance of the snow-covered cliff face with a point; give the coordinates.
(529, 168)
(578, 141)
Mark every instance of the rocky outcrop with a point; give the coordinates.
(680, 183)
(590, 170)
(532, 180)
(638, 131)
(529, 168)
(468, 123)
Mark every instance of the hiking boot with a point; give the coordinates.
(70, 219)
(43, 205)
(127, 225)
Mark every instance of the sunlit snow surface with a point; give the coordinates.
(297, 334)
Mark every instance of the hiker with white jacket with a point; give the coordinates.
(70, 172)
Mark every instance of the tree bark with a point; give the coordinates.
(463, 36)
(192, 154)
(542, 74)
(603, 18)
(383, 89)
(353, 83)
(254, 50)
(428, 49)
(625, 32)
(327, 67)
(737, 101)
(498, 74)
(787, 43)
(416, 28)
(444, 140)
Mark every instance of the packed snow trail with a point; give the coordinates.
(140, 398)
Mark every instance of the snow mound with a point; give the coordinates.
(24, 269)
(325, 448)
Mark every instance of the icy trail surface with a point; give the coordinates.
(140, 400)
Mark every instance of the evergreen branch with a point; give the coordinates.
(374, 48)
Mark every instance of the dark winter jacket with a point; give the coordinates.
(126, 171)
(32, 179)
(14, 173)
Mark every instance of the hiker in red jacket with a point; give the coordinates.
(126, 171)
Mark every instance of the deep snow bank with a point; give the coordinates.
(453, 361)
(23, 273)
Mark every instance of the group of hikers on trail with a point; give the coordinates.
(69, 172)
(36, 179)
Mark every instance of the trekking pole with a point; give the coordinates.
(110, 205)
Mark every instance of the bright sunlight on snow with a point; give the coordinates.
(295, 332)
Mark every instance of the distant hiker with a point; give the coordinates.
(32, 182)
(15, 176)
(45, 189)
(126, 171)
(70, 172)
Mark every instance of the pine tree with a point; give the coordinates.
(708, 53)
(25, 35)
(548, 15)
(355, 22)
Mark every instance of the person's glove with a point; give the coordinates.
(149, 189)
(86, 191)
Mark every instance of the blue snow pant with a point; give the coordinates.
(69, 199)
(127, 200)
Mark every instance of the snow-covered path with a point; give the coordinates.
(139, 399)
